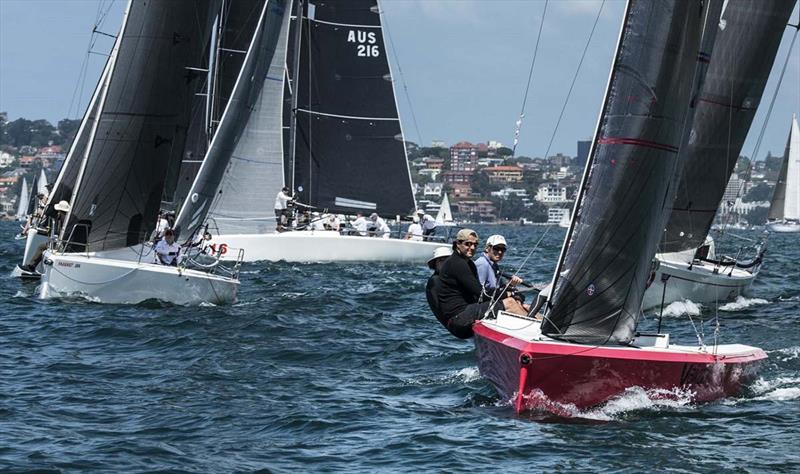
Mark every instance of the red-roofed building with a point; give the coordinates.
(460, 190)
(483, 209)
(504, 174)
(453, 177)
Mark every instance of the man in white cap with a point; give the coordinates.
(428, 224)
(460, 295)
(433, 287)
(377, 226)
(489, 273)
(415, 230)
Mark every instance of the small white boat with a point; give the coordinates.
(125, 276)
(784, 210)
(444, 218)
(23, 201)
(322, 246)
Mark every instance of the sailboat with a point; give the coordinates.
(134, 132)
(784, 210)
(325, 125)
(747, 40)
(41, 183)
(23, 201)
(585, 348)
(444, 218)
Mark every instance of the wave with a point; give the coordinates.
(742, 303)
(787, 354)
(683, 308)
(454, 377)
(778, 389)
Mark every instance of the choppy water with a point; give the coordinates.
(343, 368)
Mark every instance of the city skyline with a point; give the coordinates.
(464, 76)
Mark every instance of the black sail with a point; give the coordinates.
(349, 154)
(626, 190)
(238, 21)
(744, 52)
(141, 127)
(244, 101)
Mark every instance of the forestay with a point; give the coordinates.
(141, 125)
(749, 33)
(625, 192)
(350, 154)
(241, 151)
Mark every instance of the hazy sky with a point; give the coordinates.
(464, 64)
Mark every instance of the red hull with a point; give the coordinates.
(554, 375)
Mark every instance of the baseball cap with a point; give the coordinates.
(464, 234)
(496, 240)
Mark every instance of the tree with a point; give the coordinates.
(504, 151)
(67, 129)
(758, 216)
(760, 192)
(481, 185)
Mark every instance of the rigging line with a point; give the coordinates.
(81, 81)
(402, 78)
(528, 86)
(575, 78)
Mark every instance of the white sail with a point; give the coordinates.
(41, 185)
(445, 216)
(24, 198)
(791, 207)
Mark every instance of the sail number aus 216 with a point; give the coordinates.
(366, 46)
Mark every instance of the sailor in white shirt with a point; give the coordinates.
(414, 230)
(428, 226)
(161, 226)
(168, 252)
(281, 207)
(377, 226)
(360, 224)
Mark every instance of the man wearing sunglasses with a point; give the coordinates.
(488, 266)
(460, 292)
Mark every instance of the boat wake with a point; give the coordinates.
(742, 303)
(787, 354)
(454, 377)
(682, 308)
(633, 400)
(780, 389)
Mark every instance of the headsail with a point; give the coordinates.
(141, 125)
(791, 206)
(625, 192)
(445, 215)
(350, 154)
(22, 204)
(747, 41)
(249, 126)
(41, 183)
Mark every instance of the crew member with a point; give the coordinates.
(282, 208)
(61, 208)
(488, 266)
(378, 227)
(460, 293)
(414, 230)
(433, 287)
(167, 251)
(428, 225)
(360, 224)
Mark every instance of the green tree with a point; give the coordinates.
(760, 192)
(504, 151)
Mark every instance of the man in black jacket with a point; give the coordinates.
(459, 292)
(434, 282)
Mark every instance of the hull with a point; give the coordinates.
(119, 281)
(32, 242)
(323, 246)
(783, 227)
(700, 284)
(538, 373)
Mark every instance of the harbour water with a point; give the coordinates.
(343, 368)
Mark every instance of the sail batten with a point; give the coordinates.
(626, 188)
(745, 47)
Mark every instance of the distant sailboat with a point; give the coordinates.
(23, 201)
(444, 217)
(135, 134)
(41, 183)
(747, 40)
(784, 210)
(325, 123)
(586, 349)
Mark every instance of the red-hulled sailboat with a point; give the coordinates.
(584, 349)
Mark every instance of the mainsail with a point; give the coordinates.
(744, 51)
(248, 138)
(349, 152)
(625, 192)
(786, 198)
(41, 183)
(140, 127)
(22, 204)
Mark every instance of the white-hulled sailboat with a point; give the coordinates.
(137, 133)
(444, 217)
(784, 210)
(586, 349)
(326, 125)
(747, 41)
(23, 201)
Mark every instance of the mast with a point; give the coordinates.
(298, 36)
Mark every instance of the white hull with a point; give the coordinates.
(32, 242)
(118, 281)
(699, 284)
(323, 246)
(783, 227)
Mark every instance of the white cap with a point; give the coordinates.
(439, 253)
(496, 239)
(62, 206)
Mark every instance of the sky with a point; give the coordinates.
(461, 67)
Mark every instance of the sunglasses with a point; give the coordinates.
(498, 249)
(468, 243)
